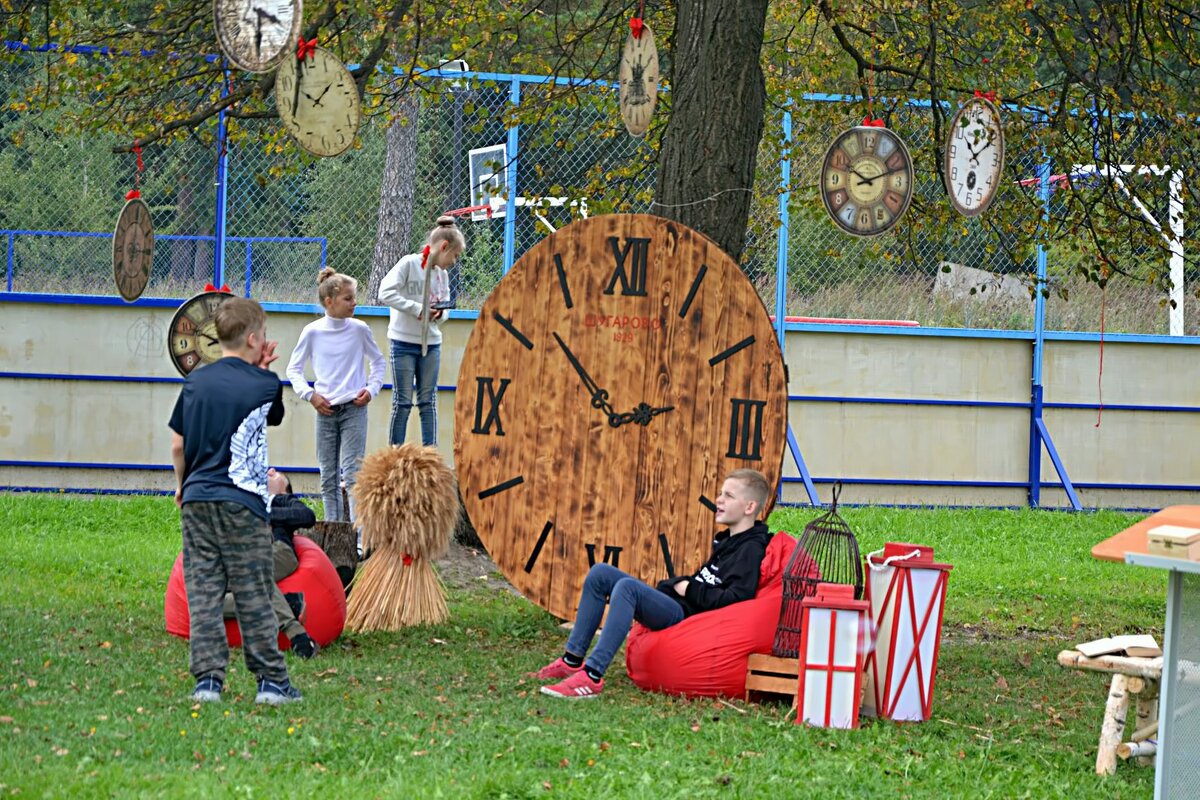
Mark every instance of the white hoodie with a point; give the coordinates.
(402, 291)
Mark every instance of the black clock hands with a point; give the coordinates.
(642, 414)
(869, 181)
(599, 396)
(316, 101)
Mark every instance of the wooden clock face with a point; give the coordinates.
(637, 81)
(614, 377)
(257, 34)
(867, 180)
(133, 249)
(192, 336)
(318, 102)
(974, 156)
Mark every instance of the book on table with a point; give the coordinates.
(1135, 644)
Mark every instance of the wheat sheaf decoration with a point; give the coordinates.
(407, 503)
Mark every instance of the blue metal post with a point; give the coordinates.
(1039, 344)
(222, 197)
(510, 204)
(10, 261)
(781, 252)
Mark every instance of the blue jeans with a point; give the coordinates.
(628, 599)
(341, 444)
(408, 365)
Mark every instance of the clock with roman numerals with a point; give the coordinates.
(618, 372)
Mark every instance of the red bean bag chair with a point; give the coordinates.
(324, 598)
(706, 654)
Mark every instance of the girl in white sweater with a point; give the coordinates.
(419, 281)
(338, 344)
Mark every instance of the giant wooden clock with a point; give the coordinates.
(613, 378)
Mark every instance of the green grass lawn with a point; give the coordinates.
(94, 695)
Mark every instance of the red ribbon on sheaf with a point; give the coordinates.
(424, 256)
(408, 559)
(208, 287)
(132, 194)
(989, 96)
(872, 123)
(636, 26)
(306, 49)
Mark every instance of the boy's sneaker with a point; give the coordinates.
(577, 687)
(556, 670)
(295, 601)
(208, 689)
(274, 693)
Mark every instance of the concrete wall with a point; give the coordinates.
(86, 391)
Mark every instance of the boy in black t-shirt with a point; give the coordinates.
(219, 450)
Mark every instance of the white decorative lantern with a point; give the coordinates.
(907, 593)
(833, 637)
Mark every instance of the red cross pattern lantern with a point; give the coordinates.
(907, 593)
(834, 635)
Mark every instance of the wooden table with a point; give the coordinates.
(1177, 764)
(1133, 538)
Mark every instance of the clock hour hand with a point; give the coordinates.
(599, 396)
(642, 414)
(211, 339)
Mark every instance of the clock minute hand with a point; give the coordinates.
(868, 181)
(599, 396)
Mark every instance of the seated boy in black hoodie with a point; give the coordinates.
(729, 576)
(288, 515)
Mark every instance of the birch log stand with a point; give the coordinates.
(1131, 677)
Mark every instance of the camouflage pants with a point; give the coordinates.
(284, 564)
(227, 547)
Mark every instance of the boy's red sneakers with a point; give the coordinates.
(556, 670)
(577, 687)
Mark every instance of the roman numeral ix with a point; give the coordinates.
(486, 390)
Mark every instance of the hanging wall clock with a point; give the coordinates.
(867, 180)
(613, 378)
(974, 156)
(192, 336)
(318, 102)
(133, 249)
(637, 80)
(255, 35)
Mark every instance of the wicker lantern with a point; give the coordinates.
(827, 553)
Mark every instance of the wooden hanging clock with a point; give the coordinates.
(192, 336)
(613, 378)
(317, 100)
(974, 156)
(133, 249)
(637, 80)
(867, 180)
(255, 35)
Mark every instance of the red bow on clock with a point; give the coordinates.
(305, 49)
(872, 123)
(208, 287)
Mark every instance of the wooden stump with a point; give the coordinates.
(339, 540)
(1114, 725)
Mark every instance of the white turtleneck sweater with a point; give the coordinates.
(337, 348)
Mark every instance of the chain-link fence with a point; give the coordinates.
(287, 215)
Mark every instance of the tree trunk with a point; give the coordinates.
(397, 192)
(718, 95)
